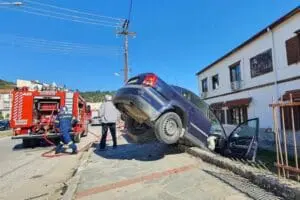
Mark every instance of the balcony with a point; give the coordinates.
(236, 85)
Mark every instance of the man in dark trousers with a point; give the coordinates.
(64, 121)
(109, 116)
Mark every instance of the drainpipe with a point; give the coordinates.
(274, 65)
(276, 77)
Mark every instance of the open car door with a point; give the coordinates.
(243, 140)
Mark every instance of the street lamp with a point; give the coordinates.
(16, 3)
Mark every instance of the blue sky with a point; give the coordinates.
(175, 39)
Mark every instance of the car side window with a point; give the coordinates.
(247, 129)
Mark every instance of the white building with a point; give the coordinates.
(241, 84)
(95, 108)
(5, 102)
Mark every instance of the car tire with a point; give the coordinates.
(168, 128)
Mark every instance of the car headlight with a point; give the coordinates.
(211, 142)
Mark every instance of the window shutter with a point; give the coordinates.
(293, 50)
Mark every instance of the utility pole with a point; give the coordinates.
(124, 32)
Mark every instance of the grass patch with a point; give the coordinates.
(268, 158)
(7, 133)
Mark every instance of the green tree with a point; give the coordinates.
(96, 96)
(1, 115)
(7, 116)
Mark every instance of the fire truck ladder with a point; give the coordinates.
(69, 101)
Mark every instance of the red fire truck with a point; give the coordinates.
(34, 111)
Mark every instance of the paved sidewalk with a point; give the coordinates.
(157, 171)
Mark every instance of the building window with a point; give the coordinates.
(293, 49)
(220, 114)
(215, 81)
(237, 115)
(261, 63)
(204, 85)
(235, 72)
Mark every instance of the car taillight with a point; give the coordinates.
(150, 80)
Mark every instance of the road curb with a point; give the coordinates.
(72, 183)
(287, 189)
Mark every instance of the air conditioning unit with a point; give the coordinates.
(203, 95)
(236, 85)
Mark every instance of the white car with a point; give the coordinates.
(96, 121)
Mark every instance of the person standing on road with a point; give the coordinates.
(64, 121)
(109, 116)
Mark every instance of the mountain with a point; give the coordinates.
(6, 84)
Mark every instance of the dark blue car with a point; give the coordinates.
(175, 113)
(4, 125)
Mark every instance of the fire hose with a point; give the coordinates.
(46, 131)
(84, 148)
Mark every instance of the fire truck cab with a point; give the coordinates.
(33, 113)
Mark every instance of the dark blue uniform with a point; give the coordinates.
(64, 121)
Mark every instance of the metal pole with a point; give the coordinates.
(284, 140)
(294, 136)
(126, 58)
(276, 140)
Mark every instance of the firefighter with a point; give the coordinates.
(65, 121)
(109, 116)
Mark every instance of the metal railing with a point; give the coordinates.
(286, 161)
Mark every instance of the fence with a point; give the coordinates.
(285, 124)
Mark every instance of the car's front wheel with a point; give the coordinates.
(168, 128)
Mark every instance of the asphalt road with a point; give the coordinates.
(26, 174)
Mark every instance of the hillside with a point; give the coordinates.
(95, 96)
(6, 84)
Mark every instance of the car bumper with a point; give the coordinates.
(140, 104)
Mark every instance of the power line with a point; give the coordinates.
(67, 44)
(57, 46)
(130, 10)
(72, 10)
(72, 16)
(61, 18)
(60, 50)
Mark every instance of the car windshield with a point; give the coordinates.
(216, 127)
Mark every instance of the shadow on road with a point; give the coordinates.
(36, 144)
(142, 152)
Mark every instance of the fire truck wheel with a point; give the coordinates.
(77, 138)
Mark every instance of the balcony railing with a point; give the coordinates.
(236, 85)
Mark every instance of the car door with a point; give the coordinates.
(243, 140)
(199, 124)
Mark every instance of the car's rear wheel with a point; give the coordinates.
(168, 128)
